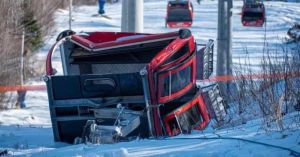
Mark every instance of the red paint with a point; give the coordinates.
(155, 65)
(163, 99)
(157, 126)
(183, 24)
(101, 37)
(192, 49)
(169, 51)
(49, 69)
(257, 23)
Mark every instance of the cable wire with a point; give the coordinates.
(292, 152)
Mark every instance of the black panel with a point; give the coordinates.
(111, 85)
(66, 87)
(66, 111)
(85, 68)
(252, 16)
(179, 15)
(131, 84)
(199, 64)
(69, 130)
(92, 88)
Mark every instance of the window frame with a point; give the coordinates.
(166, 73)
(198, 100)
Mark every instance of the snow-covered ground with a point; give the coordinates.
(28, 132)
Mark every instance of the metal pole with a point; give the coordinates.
(22, 59)
(144, 75)
(139, 16)
(124, 27)
(224, 59)
(229, 29)
(70, 14)
(132, 16)
(221, 58)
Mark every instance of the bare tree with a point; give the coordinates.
(274, 92)
(33, 16)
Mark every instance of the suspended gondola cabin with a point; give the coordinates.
(253, 13)
(179, 14)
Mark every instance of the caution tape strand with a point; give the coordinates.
(212, 79)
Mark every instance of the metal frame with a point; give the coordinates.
(48, 82)
(144, 75)
(206, 62)
(198, 100)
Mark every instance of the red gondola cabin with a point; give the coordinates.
(253, 13)
(179, 14)
(120, 85)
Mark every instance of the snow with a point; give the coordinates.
(193, 147)
(28, 132)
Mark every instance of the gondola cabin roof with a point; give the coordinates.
(101, 43)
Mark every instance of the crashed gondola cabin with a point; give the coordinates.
(117, 86)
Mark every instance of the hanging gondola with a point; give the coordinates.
(253, 13)
(179, 14)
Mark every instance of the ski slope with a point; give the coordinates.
(28, 132)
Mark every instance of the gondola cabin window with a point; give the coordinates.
(176, 81)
